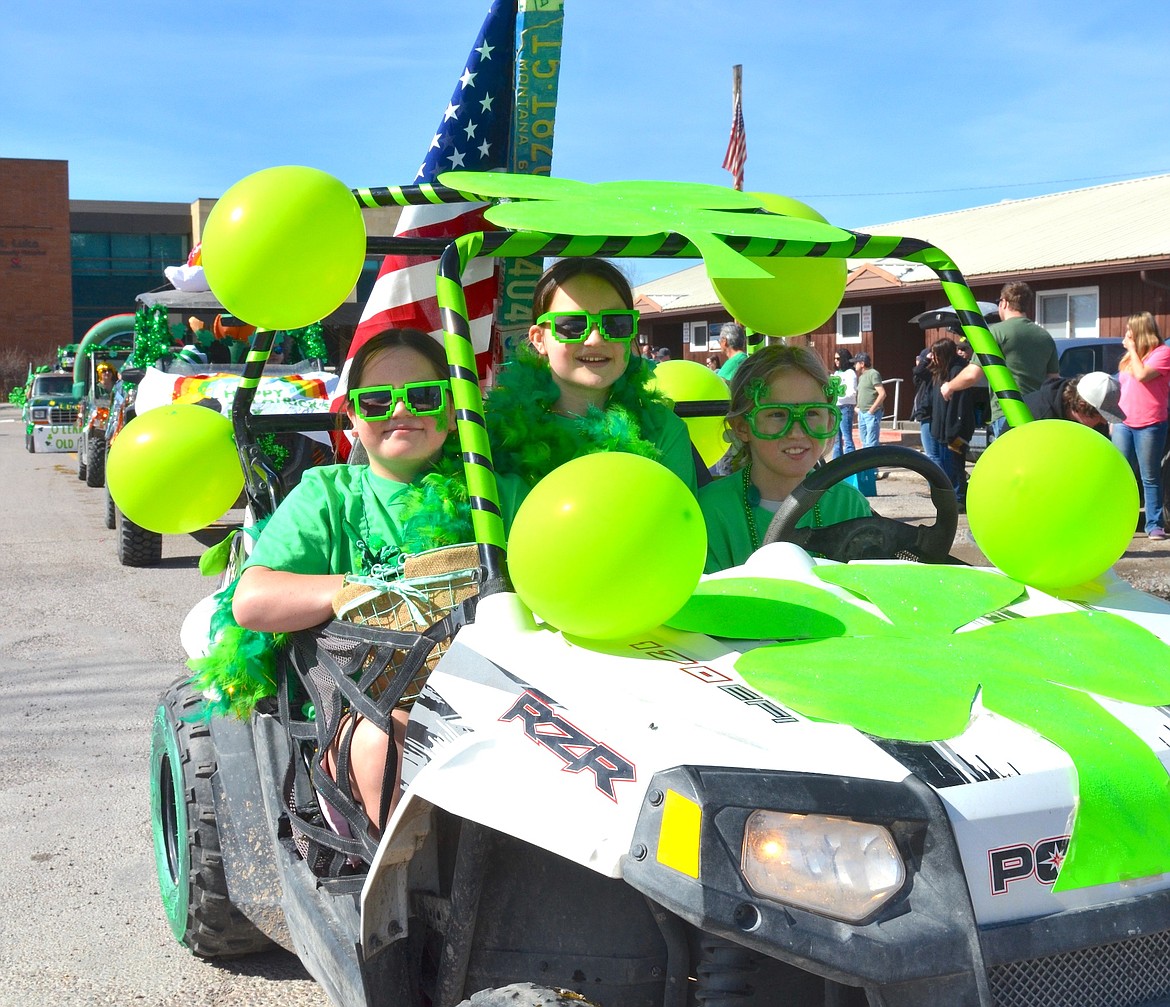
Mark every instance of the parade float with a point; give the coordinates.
(835, 775)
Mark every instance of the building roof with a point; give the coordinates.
(1121, 221)
(1118, 222)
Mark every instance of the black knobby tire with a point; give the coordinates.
(526, 995)
(136, 545)
(95, 460)
(111, 515)
(187, 854)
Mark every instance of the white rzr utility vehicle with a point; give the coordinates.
(828, 781)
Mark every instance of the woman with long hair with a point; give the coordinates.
(952, 421)
(1144, 374)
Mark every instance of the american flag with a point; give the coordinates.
(473, 134)
(736, 155)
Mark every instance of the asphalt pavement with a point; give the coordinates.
(86, 647)
(904, 495)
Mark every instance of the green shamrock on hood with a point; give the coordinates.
(914, 677)
(698, 212)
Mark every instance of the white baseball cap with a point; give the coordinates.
(1103, 393)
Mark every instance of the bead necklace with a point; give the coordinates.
(748, 490)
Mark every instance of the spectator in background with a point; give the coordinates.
(952, 421)
(733, 344)
(871, 396)
(1093, 399)
(1028, 350)
(713, 362)
(661, 355)
(846, 402)
(923, 389)
(1144, 375)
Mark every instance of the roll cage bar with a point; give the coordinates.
(263, 483)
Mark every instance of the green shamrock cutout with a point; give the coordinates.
(916, 679)
(698, 212)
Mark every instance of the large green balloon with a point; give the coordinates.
(174, 469)
(607, 546)
(803, 293)
(690, 381)
(1052, 504)
(284, 247)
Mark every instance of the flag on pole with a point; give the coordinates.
(473, 134)
(736, 154)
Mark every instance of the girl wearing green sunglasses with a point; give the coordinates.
(363, 519)
(782, 418)
(577, 386)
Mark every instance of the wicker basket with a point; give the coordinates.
(433, 583)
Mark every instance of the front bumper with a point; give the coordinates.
(922, 948)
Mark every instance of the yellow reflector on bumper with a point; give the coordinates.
(678, 842)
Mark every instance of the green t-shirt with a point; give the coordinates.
(868, 382)
(729, 541)
(731, 365)
(345, 519)
(1029, 352)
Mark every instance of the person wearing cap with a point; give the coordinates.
(871, 396)
(1093, 399)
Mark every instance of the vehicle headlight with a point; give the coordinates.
(833, 866)
(40, 415)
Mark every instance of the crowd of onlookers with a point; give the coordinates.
(1129, 406)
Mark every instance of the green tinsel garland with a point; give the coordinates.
(152, 335)
(276, 452)
(310, 342)
(525, 443)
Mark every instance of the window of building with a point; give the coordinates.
(1072, 312)
(127, 253)
(849, 325)
(696, 332)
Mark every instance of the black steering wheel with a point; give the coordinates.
(870, 537)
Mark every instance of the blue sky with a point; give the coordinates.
(870, 113)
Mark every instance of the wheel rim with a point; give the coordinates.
(168, 820)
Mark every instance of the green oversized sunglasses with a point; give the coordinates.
(421, 398)
(575, 326)
(770, 421)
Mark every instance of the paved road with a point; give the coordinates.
(86, 646)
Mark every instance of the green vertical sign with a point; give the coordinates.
(539, 25)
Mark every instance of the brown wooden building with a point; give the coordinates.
(1093, 256)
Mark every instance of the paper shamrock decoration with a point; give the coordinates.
(700, 213)
(915, 678)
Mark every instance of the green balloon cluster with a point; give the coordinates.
(284, 247)
(174, 469)
(1052, 504)
(690, 381)
(607, 546)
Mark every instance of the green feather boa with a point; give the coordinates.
(240, 667)
(526, 444)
